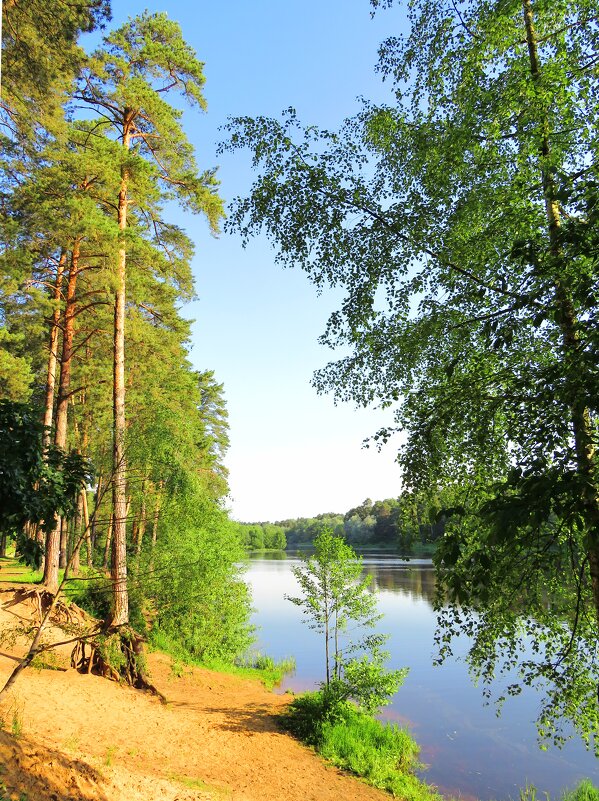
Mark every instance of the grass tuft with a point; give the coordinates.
(586, 791)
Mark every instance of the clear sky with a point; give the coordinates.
(293, 453)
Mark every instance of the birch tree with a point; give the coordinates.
(461, 220)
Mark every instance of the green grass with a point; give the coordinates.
(29, 576)
(11, 570)
(256, 666)
(586, 791)
(252, 666)
(383, 754)
(15, 572)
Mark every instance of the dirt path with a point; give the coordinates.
(83, 737)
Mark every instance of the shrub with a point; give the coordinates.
(382, 753)
(306, 715)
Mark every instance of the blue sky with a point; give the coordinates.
(292, 452)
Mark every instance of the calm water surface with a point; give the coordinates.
(470, 752)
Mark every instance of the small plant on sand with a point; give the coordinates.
(71, 743)
(16, 726)
(12, 718)
(200, 784)
(179, 669)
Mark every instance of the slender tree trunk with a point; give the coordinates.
(52, 552)
(157, 514)
(141, 526)
(337, 657)
(120, 606)
(327, 634)
(51, 558)
(97, 498)
(88, 540)
(64, 541)
(326, 651)
(155, 525)
(75, 553)
(2, 546)
(108, 545)
(579, 410)
(41, 539)
(64, 385)
(53, 350)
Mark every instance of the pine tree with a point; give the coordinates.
(125, 81)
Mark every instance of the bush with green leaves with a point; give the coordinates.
(368, 682)
(186, 593)
(382, 753)
(194, 582)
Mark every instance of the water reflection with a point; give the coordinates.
(415, 581)
(471, 751)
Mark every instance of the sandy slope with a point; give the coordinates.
(83, 737)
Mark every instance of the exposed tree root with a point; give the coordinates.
(116, 654)
(41, 600)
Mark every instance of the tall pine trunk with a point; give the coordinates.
(53, 350)
(120, 598)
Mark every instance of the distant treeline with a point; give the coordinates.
(404, 523)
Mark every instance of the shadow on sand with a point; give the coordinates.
(33, 772)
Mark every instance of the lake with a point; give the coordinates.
(470, 752)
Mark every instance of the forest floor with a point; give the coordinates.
(65, 736)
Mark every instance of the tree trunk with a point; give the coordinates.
(60, 437)
(141, 526)
(108, 545)
(64, 540)
(76, 537)
(88, 540)
(155, 523)
(97, 500)
(52, 554)
(327, 634)
(579, 411)
(41, 539)
(120, 599)
(53, 350)
(157, 514)
(337, 656)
